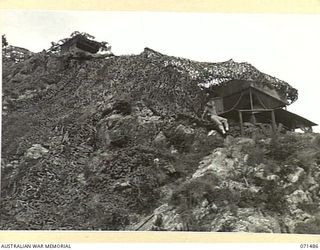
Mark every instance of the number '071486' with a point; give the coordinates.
(313, 246)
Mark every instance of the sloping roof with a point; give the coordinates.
(288, 119)
(218, 74)
(292, 120)
(83, 43)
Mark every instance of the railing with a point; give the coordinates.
(252, 111)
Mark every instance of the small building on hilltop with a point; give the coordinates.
(241, 92)
(257, 102)
(80, 43)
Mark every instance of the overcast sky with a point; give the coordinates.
(286, 46)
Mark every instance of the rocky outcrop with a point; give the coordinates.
(234, 191)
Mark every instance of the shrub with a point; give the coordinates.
(310, 227)
(191, 193)
(188, 196)
(316, 141)
(310, 208)
(272, 195)
(255, 155)
(281, 148)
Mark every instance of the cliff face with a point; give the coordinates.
(115, 143)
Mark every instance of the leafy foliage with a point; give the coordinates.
(308, 227)
(188, 196)
(4, 41)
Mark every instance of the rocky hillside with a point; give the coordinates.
(116, 143)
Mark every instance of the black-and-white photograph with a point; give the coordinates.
(160, 121)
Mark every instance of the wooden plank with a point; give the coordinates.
(251, 99)
(144, 222)
(241, 122)
(274, 124)
(256, 110)
(251, 106)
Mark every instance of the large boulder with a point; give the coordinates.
(217, 163)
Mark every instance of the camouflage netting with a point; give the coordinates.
(211, 74)
(164, 89)
(75, 132)
(89, 144)
(15, 54)
(169, 85)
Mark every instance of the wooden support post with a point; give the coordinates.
(251, 99)
(241, 122)
(274, 124)
(251, 106)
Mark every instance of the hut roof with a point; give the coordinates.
(83, 43)
(288, 119)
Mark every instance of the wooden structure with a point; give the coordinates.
(249, 101)
(80, 43)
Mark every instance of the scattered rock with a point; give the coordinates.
(36, 151)
(112, 120)
(161, 140)
(184, 130)
(119, 186)
(169, 169)
(246, 220)
(218, 163)
(81, 178)
(273, 177)
(298, 197)
(296, 176)
(245, 141)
